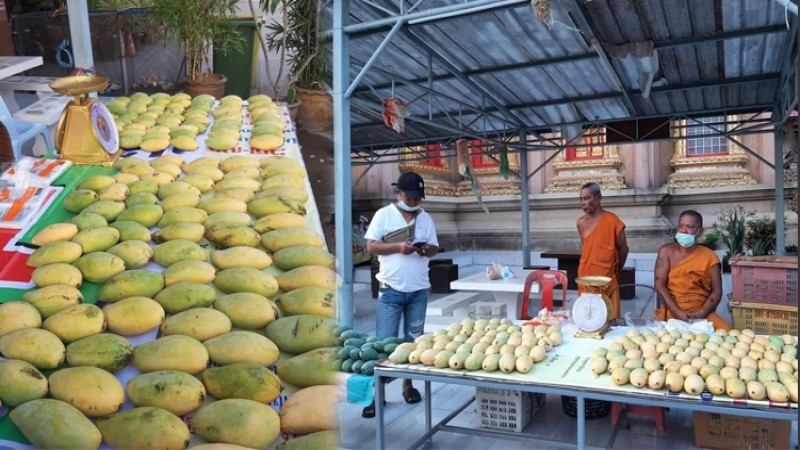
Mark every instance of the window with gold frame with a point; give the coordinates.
(592, 146)
(433, 156)
(701, 139)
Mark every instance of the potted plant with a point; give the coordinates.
(761, 236)
(295, 36)
(711, 237)
(194, 25)
(731, 223)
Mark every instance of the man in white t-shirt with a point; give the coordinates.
(403, 274)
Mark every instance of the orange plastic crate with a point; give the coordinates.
(764, 282)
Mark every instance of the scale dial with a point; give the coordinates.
(590, 312)
(104, 127)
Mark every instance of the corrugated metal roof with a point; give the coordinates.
(499, 68)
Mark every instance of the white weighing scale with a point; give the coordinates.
(86, 131)
(592, 312)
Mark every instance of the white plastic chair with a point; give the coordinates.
(22, 132)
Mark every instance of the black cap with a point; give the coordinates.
(412, 184)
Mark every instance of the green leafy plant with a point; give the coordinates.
(293, 32)
(761, 235)
(194, 25)
(711, 235)
(732, 226)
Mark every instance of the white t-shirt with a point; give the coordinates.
(404, 273)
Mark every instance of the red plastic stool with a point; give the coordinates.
(653, 411)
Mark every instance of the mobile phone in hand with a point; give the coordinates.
(419, 244)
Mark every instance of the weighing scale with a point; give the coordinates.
(592, 312)
(86, 131)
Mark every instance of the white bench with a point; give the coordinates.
(450, 309)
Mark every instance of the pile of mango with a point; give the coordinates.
(735, 363)
(239, 284)
(489, 345)
(358, 352)
(153, 123)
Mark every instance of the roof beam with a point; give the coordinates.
(613, 95)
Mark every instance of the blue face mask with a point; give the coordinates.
(684, 239)
(404, 207)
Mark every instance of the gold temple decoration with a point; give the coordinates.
(704, 171)
(597, 163)
(434, 164)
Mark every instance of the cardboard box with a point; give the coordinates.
(726, 432)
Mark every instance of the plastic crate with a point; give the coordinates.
(764, 282)
(736, 432)
(764, 318)
(505, 410)
(593, 409)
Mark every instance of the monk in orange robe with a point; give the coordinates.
(605, 247)
(688, 279)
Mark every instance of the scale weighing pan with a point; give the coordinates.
(78, 85)
(593, 280)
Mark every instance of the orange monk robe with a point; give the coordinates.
(689, 283)
(599, 256)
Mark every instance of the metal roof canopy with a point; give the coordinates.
(494, 70)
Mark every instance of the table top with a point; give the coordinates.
(12, 65)
(479, 282)
(562, 253)
(569, 366)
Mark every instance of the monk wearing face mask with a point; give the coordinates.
(688, 277)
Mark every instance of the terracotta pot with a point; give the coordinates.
(316, 110)
(208, 83)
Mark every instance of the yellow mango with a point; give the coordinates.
(55, 232)
(318, 276)
(242, 380)
(105, 351)
(55, 252)
(201, 182)
(96, 239)
(76, 322)
(99, 267)
(40, 348)
(144, 427)
(17, 316)
(291, 237)
(182, 214)
(129, 230)
(293, 257)
(133, 315)
(218, 204)
(279, 220)
(271, 205)
(136, 254)
(176, 352)
(211, 172)
(247, 310)
(116, 192)
(181, 296)
(93, 391)
(241, 256)
(242, 346)
(308, 300)
(301, 333)
(246, 279)
(228, 235)
(147, 215)
(176, 250)
(199, 323)
(58, 273)
(131, 283)
(247, 423)
(310, 410)
(21, 382)
(51, 299)
(189, 271)
(50, 423)
(181, 230)
(175, 391)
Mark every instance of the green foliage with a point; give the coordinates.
(297, 35)
(195, 24)
(731, 223)
(711, 235)
(761, 235)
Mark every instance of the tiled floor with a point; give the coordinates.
(405, 423)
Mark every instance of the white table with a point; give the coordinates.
(507, 292)
(10, 66)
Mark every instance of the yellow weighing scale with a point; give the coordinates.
(592, 312)
(86, 131)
